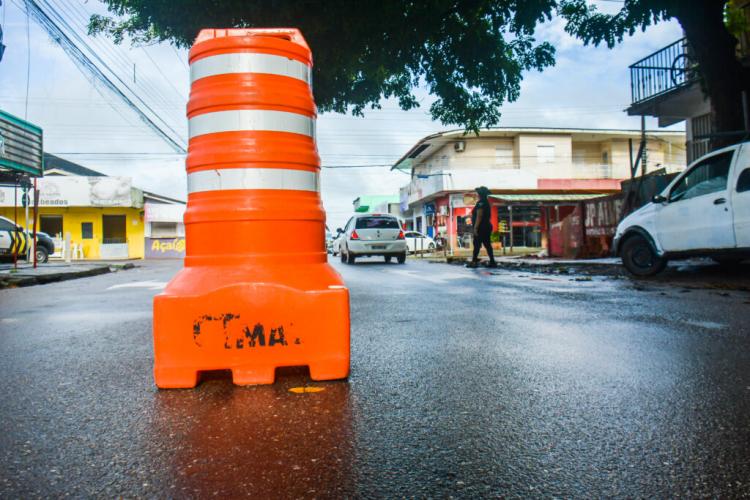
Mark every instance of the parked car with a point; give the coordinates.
(367, 235)
(418, 242)
(705, 211)
(335, 246)
(16, 240)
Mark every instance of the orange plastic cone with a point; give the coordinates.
(256, 292)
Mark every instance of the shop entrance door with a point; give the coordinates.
(114, 237)
(53, 225)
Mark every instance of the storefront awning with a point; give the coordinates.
(544, 198)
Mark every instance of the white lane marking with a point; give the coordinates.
(253, 178)
(709, 325)
(249, 62)
(443, 278)
(151, 285)
(238, 120)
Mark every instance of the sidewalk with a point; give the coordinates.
(26, 275)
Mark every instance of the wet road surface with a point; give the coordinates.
(464, 383)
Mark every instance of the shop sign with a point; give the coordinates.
(161, 212)
(165, 248)
(429, 209)
(20, 145)
(61, 191)
(603, 216)
(470, 199)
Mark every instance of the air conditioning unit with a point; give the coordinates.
(459, 146)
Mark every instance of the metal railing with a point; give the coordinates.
(665, 70)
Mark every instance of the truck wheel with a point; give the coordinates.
(640, 259)
(42, 255)
(401, 258)
(351, 258)
(387, 259)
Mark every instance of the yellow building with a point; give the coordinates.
(101, 216)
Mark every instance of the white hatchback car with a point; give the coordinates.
(418, 242)
(366, 235)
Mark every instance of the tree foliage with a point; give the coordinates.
(708, 26)
(470, 54)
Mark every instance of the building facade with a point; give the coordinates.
(666, 85)
(88, 214)
(164, 227)
(529, 167)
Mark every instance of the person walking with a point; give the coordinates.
(480, 221)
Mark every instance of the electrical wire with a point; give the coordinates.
(144, 91)
(57, 29)
(179, 57)
(143, 87)
(119, 56)
(28, 63)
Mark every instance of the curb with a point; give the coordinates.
(587, 268)
(23, 281)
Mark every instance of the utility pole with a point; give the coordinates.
(644, 145)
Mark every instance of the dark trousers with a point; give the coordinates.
(483, 239)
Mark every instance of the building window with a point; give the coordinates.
(51, 224)
(545, 153)
(164, 230)
(114, 229)
(87, 230)
(605, 157)
(504, 154)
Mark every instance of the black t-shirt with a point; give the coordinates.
(485, 225)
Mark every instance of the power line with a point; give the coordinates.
(28, 64)
(145, 86)
(56, 31)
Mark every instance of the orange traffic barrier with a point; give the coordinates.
(256, 292)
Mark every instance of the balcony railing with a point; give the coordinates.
(665, 70)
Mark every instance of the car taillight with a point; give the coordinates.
(354, 235)
(401, 235)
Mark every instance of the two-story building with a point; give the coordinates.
(526, 169)
(100, 216)
(666, 85)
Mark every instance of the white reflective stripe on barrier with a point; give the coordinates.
(253, 178)
(249, 62)
(237, 120)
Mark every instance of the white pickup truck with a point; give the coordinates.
(705, 211)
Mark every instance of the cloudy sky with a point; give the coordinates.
(83, 122)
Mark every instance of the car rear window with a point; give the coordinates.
(377, 223)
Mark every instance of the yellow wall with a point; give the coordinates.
(74, 216)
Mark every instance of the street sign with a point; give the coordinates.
(20, 145)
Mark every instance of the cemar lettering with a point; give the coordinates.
(237, 335)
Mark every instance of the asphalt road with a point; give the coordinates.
(464, 383)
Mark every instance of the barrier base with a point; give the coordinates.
(251, 321)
